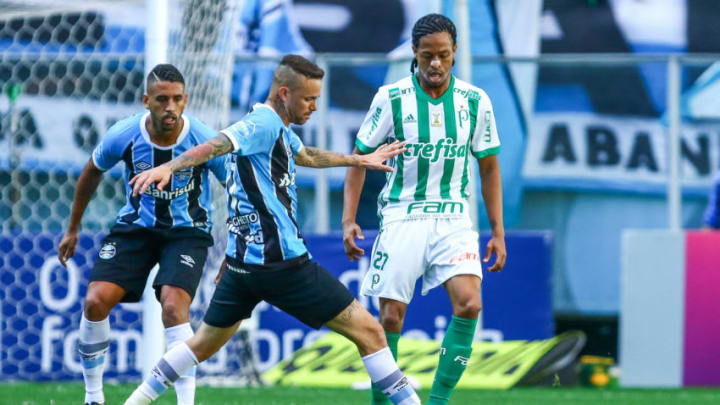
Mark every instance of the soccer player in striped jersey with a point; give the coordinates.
(266, 255)
(425, 229)
(168, 227)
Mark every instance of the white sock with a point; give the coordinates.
(92, 346)
(386, 375)
(185, 385)
(173, 364)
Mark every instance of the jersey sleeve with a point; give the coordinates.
(219, 167)
(485, 140)
(110, 150)
(377, 125)
(296, 143)
(249, 137)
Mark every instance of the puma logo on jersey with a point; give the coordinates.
(187, 260)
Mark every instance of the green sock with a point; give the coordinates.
(454, 355)
(378, 398)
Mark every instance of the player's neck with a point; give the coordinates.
(434, 92)
(276, 104)
(160, 137)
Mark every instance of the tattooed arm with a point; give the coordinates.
(219, 145)
(160, 175)
(316, 157)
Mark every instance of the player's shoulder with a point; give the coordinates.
(128, 126)
(263, 117)
(260, 120)
(123, 132)
(469, 90)
(404, 86)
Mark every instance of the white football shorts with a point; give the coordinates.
(436, 249)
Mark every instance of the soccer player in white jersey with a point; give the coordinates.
(425, 229)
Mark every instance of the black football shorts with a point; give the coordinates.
(129, 252)
(298, 286)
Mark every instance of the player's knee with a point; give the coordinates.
(469, 308)
(96, 306)
(378, 332)
(392, 322)
(174, 313)
(374, 338)
(392, 317)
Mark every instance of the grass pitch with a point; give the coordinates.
(72, 394)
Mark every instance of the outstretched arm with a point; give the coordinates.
(492, 195)
(86, 186)
(354, 180)
(219, 145)
(310, 156)
(319, 158)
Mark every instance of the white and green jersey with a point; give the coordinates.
(430, 178)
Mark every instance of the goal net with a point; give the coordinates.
(68, 71)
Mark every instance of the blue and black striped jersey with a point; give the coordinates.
(262, 204)
(186, 200)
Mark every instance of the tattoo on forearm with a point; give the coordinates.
(324, 158)
(216, 146)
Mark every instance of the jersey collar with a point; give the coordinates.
(424, 96)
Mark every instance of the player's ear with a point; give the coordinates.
(146, 100)
(283, 93)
